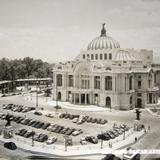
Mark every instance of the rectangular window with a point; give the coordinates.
(139, 84)
(110, 56)
(101, 56)
(92, 57)
(108, 83)
(149, 83)
(85, 84)
(83, 56)
(96, 56)
(97, 82)
(87, 55)
(105, 56)
(70, 78)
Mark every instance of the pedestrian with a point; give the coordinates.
(135, 139)
(111, 145)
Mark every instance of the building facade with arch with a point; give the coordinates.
(107, 75)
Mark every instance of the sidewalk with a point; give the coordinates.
(67, 105)
(89, 149)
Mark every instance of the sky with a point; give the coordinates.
(57, 30)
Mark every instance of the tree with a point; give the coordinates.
(29, 65)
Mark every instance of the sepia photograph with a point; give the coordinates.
(80, 79)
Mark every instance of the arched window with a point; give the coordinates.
(59, 80)
(101, 56)
(108, 102)
(108, 83)
(130, 100)
(59, 96)
(130, 83)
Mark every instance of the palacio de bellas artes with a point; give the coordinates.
(80, 79)
(107, 75)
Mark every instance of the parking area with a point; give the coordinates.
(42, 126)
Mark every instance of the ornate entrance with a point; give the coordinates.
(139, 102)
(59, 96)
(108, 102)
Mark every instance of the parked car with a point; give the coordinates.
(31, 122)
(4, 106)
(36, 136)
(29, 134)
(42, 137)
(49, 115)
(49, 128)
(75, 120)
(91, 139)
(23, 132)
(103, 136)
(46, 125)
(20, 119)
(10, 145)
(77, 132)
(83, 141)
(37, 113)
(51, 140)
(62, 115)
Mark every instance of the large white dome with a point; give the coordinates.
(103, 42)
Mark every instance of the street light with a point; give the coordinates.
(65, 142)
(37, 95)
(101, 143)
(124, 133)
(32, 139)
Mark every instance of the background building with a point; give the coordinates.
(107, 75)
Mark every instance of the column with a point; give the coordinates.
(85, 98)
(74, 98)
(79, 98)
(103, 83)
(91, 100)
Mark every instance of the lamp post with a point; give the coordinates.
(124, 133)
(101, 144)
(56, 96)
(101, 140)
(32, 139)
(65, 142)
(37, 95)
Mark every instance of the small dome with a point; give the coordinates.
(123, 55)
(103, 42)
